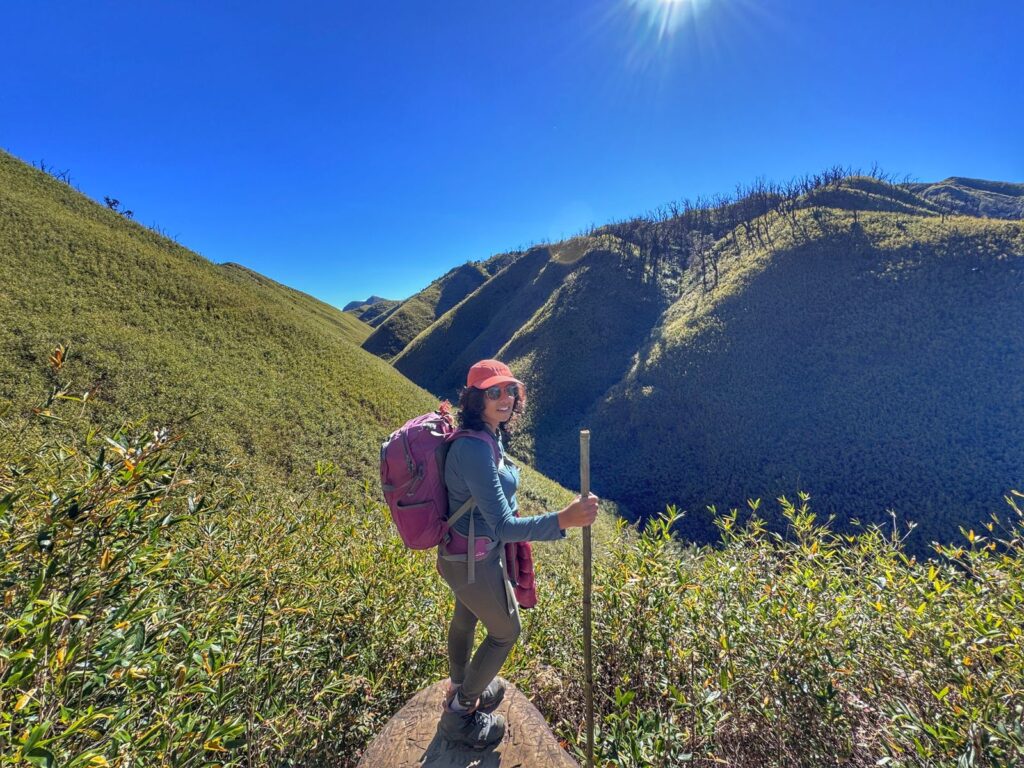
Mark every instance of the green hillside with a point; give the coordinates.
(874, 366)
(586, 311)
(975, 197)
(480, 324)
(134, 374)
(850, 339)
(405, 322)
(276, 377)
(229, 591)
(348, 325)
(375, 312)
(419, 311)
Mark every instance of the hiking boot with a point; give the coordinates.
(476, 730)
(489, 699)
(492, 696)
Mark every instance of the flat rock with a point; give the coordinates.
(411, 738)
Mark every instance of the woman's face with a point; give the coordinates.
(499, 411)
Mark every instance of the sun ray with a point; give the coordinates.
(665, 17)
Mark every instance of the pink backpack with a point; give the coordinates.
(412, 476)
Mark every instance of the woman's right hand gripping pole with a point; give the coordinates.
(579, 513)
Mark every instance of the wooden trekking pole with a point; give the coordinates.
(588, 662)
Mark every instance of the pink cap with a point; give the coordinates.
(487, 373)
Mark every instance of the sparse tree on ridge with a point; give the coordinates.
(115, 205)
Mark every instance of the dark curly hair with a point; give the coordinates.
(471, 411)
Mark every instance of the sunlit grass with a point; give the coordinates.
(169, 601)
(152, 618)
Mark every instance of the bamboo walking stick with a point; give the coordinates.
(587, 577)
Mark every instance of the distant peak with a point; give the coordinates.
(369, 302)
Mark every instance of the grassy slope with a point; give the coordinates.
(478, 326)
(419, 311)
(587, 309)
(157, 331)
(161, 332)
(348, 325)
(376, 313)
(886, 407)
(887, 380)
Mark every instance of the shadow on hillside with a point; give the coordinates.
(842, 369)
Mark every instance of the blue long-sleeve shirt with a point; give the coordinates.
(470, 470)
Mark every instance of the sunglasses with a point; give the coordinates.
(494, 393)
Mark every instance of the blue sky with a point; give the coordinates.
(348, 148)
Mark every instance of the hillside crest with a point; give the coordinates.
(788, 339)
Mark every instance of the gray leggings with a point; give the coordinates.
(487, 600)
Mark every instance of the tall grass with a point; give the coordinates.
(813, 648)
(152, 619)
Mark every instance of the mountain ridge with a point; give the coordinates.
(401, 325)
(155, 328)
(660, 281)
(365, 303)
(975, 197)
(231, 576)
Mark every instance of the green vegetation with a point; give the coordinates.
(195, 569)
(412, 316)
(842, 335)
(375, 313)
(815, 649)
(416, 313)
(150, 619)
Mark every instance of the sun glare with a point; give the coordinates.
(664, 17)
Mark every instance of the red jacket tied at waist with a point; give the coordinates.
(519, 564)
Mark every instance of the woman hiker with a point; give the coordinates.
(480, 469)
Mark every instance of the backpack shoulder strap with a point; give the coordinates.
(466, 506)
(478, 434)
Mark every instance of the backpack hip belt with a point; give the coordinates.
(471, 542)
